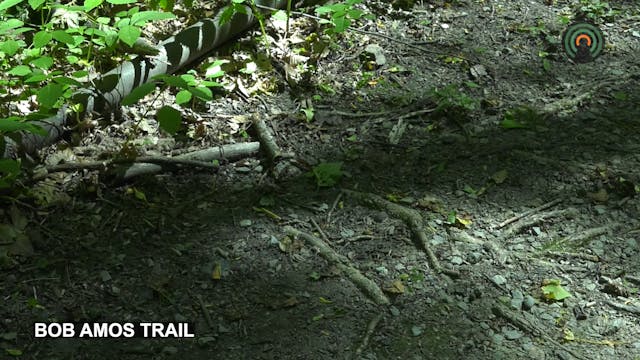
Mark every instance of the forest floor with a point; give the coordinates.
(450, 233)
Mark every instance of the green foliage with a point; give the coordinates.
(522, 117)
(47, 49)
(450, 100)
(596, 10)
(169, 119)
(327, 174)
(341, 15)
(9, 171)
(553, 291)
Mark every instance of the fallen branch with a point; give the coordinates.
(104, 165)
(519, 226)
(366, 285)
(528, 212)
(267, 142)
(623, 307)
(231, 152)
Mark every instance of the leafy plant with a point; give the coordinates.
(327, 174)
(450, 100)
(46, 51)
(522, 117)
(597, 10)
(341, 15)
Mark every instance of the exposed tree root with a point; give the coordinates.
(534, 220)
(371, 327)
(525, 325)
(412, 218)
(366, 285)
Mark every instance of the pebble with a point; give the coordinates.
(517, 299)
(499, 279)
(528, 302)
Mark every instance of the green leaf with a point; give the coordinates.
(508, 123)
(121, 2)
(172, 80)
(341, 24)
(44, 62)
(202, 93)
(91, 4)
(169, 119)
(80, 74)
(167, 5)
(65, 80)
(190, 79)
(63, 37)
(183, 96)
(451, 217)
(143, 17)
(13, 123)
(10, 47)
(280, 15)
(49, 95)
(41, 39)
(35, 3)
(210, 84)
(129, 34)
(230, 11)
(9, 170)
(554, 291)
(20, 70)
(328, 174)
(4, 5)
(138, 93)
(14, 352)
(36, 78)
(10, 24)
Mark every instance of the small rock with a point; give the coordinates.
(375, 52)
(437, 240)
(517, 299)
(105, 276)
(478, 71)
(416, 330)
(456, 260)
(528, 302)
(245, 223)
(499, 279)
(511, 334)
(170, 350)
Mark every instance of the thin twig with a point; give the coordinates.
(205, 312)
(528, 212)
(333, 206)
